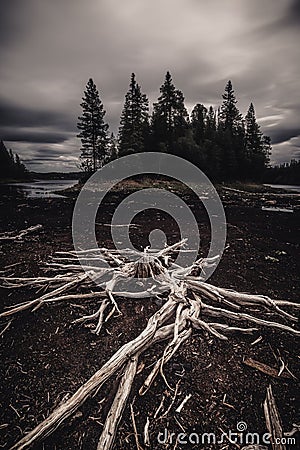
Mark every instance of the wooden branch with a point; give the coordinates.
(273, 421)
(171, 248)
(251, 299)
(115, 413)
(138, 447)
(168, 353)
(150, 335)
(40, 300)
(231, 330)
(17, 236)
(217, 312)
(264, 368)
(210, 292)
(99, 314)
(201, 324)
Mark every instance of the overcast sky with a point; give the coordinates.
(49, 49)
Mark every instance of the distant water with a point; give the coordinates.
(287, 187)
(38, 189)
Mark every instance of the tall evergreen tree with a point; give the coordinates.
(230, 118)
(267, 149)
(93, 129)
(134, 123)
(199, 122)
(256, 146)
(112, 148)
(231, 134)
(170, 117)
(203, 124)
(253, 135)
(213, 150)
(211, 124)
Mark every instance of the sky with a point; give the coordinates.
(50, 48)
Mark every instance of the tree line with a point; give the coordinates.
(287, 173)
(10, 165)
(222, 143)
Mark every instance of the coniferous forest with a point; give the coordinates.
(10, 165)
(221, 142)
(288, 173)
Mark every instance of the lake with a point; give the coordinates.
(39, 189)
(287, 187)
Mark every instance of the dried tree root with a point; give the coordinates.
(273, 420)
(34, 304)
(150, 335)
(168, 353)
(99, 314)
(15, 236)
(187, 305)
(115, 413)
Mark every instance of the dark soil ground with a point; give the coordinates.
(44, 358)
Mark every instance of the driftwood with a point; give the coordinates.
(18, 236)
(273, 421)
(188, 304)
(264, 368)
(115, 413)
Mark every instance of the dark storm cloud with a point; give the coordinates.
(13, 17)
(13, 115)
(294, 11)
(49, 49)
(292, 17)
(42, 159)
(279, 136)
(32, 136)
(50, 151)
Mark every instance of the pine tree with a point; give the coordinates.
(170, 117)
(199, 122)
(231, 135)
(267, 148)
(257, 147)
(134, 121)
(253, 135)
(112, 148)
(93, 132)
(230, 117)
(10, 166)
(20, 168)
(5, 161)
(211, 124)
(212, 150)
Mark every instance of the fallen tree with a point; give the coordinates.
(188, 304)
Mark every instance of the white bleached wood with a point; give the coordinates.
(187, 302)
